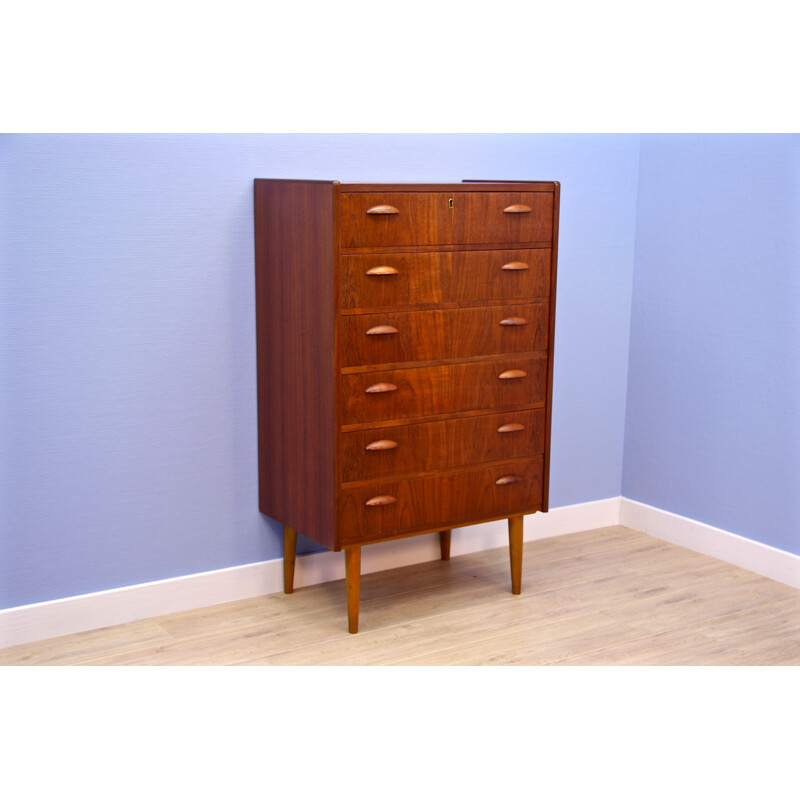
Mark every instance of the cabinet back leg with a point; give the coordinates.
(515, 551)
(444, 544)
(289, 555)
(352, 566)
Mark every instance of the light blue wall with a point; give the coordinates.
(127, 357)
(713, 417)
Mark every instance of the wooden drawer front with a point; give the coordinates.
(499, 217)
(392, 219)
(440, 500)
(432, 278)
(416, 219)
(447, 444)
(394, 337)
(424, 391)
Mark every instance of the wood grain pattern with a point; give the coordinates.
(296, 353)
(449, 498)
(394, 337)
(425, 391)
(481, 217)
(426, 218)
(434, 278)
(449, 444)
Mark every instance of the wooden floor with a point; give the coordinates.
(611, 596)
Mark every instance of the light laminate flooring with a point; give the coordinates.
(611, 596)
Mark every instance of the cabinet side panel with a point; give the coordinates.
(551, 346)
(295, 305)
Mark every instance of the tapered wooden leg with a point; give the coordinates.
(352, 566)
(444, 544)
(289, 554)
(515, 550)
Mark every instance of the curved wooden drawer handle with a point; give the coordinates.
(380, 387)
(510, 373)
(510, 426)
(379, 330)
(506, 479)
(517, 209)
(382, 500)
(514, 321)
(385, 210)
(513, 266)
(381, 444)
(390, 271)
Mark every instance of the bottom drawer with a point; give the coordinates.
(456, 498)
(380, 453)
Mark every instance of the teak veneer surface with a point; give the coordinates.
(446, 334)
(297, 356)
(426, 218)
(425, 391)
(433, 278)
(446, 498)
(445, 444)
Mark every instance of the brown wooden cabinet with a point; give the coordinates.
(405, 360)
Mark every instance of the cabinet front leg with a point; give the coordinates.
(352, 565)
(444, 544)
(515, 551)
(289, 555)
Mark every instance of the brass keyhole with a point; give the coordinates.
(450, 203)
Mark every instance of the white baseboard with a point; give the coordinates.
(779, 565)
(130, 603)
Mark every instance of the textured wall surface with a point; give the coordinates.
(127, 338)
(713, 415)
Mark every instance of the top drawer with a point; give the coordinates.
(377, 219)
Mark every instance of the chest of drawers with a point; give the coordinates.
(405, 360)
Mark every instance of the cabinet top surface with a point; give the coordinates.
(466, 186)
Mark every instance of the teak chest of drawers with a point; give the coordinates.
(405, 360)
